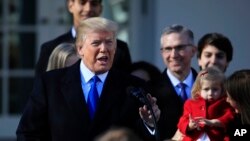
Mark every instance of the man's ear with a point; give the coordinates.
(69, 5)
(80, 50)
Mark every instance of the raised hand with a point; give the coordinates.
(146, 114)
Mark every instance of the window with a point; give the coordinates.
(18, 39)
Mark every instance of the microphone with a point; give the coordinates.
(140, 94)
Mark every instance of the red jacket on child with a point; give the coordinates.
(218, 109)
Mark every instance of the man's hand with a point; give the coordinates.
(146, 114)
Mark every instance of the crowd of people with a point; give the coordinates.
(81, 90)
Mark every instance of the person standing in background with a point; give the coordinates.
(214, 49)
(174, 87)
(81, 10)
(238, 95)
(145, 70)
(64, 55)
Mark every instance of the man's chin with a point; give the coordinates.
(177, 69)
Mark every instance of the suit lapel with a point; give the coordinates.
(167, 84)
(67, 37)
(73, 94)
(72, 91)
(194, 73)
(107, 99)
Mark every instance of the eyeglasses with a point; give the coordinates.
(178, 48)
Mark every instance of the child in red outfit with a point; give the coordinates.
(207, 114)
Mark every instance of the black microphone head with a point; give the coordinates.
(138, 93)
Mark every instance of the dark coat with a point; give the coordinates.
(57, 109)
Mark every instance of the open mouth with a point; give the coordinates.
(103, 59)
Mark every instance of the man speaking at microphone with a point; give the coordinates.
(84, 100)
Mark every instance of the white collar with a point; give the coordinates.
(188, 80)
(73, 32)
(86, 74)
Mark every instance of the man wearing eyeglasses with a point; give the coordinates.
(177, 50)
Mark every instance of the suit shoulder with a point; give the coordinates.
(54, 73)
(66, 73)
(194, 72)
(66, 37)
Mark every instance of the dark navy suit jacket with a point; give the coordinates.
(57, 109)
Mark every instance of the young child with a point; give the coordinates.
(207, 114)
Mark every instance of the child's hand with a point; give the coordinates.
(209, 122)
(193, 124)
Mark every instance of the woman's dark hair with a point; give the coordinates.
(153, 71)
(238, 88)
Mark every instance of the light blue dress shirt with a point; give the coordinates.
(188, 81)
(86, 75)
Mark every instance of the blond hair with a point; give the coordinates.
(95, 24)
(59, 56)
(209, 74)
